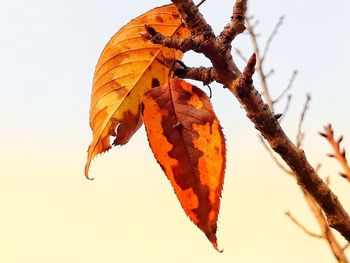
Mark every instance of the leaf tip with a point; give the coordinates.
(215, 245)
(213, 240)
(86, 171)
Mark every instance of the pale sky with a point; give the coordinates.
(50, 213)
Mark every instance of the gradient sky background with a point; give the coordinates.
(50, 213)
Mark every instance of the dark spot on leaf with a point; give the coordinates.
(159, 19)
(155, 83)
(185, 96)
(216, 150)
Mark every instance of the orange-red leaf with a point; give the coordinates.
(187, 141)
(129, 65)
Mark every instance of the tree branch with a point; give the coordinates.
(315, 209)
(262, 75)
(288, 214)
(269, 41)
(206, 75)
(182, 44)
(300, 134)
(193, 19)
(339, 153)
(327, 234)
(237, 23)
(290, 85)
(259, 113)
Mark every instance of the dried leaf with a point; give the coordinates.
(129, 65)
(187, 141)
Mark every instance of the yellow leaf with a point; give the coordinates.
(129, 66)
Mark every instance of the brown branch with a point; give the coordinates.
(259, 113)
(241, 85)
(327, 234)
(315, 209)
(295, 221)
(339, 153)
(272, 36)
(319, 216)
(182, 44)
(237, 23)
(206, 75)
(193, 18)
(300, 133)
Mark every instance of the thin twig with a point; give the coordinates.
(270, 73)
(256, 23)
(261, 73)
(269, 41)
(289, 87)
(286, 108)
(302, 227)
(326, 230)
(339, 153)
(274, 158)
(200, 3)
(318, 168)
(300, 133)
(240, 55)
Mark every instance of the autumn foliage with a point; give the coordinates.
(129, 66)
(133, 84)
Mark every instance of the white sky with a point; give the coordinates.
(50, 213)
